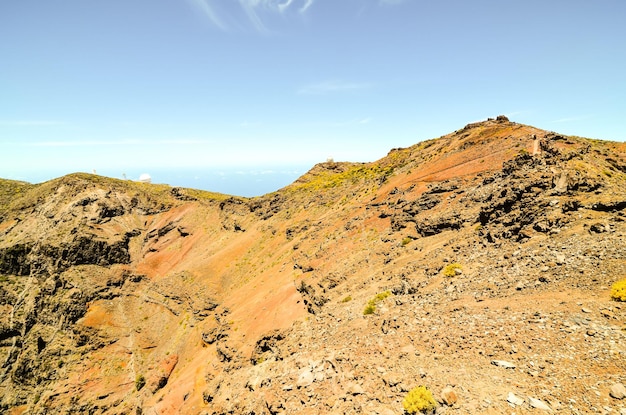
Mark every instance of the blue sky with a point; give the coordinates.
(267, 88)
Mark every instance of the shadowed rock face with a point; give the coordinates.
(332, 295)
(38, 259)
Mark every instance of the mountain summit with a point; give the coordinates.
(477, 265)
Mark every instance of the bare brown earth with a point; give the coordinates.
(120, 297)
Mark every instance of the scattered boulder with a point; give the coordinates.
(305, 378)
(538, 404)
(514, 400)
(355, 389)
(449, 396)
(618, 391)
(161, 376)
(214, 334)
(503, 364)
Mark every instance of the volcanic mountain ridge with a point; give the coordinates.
(477, 264)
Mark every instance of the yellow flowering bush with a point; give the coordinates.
(618, 291)
(419, 399)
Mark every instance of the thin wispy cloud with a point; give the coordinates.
(307, 4)
(254, 11)
(331, 87)
(284, 6)
(205, 7)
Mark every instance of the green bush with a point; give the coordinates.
(419, 399)
(140, 382)
(371, 304)
(381, 296)
(618, 291)
(369, 309)
(346, 299)
(450, 269)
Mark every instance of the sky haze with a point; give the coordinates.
(279, 85)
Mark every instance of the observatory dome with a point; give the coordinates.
(145, 178)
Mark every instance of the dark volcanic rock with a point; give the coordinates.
(14, 259)
(28, 258)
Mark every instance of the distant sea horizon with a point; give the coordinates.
(237, 181)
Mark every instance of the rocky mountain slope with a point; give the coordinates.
(477, 264)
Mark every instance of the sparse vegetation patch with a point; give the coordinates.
(452, 270)
(419, 399)
(370, 308)
(618, 291)
(354, 174)
(140, 382)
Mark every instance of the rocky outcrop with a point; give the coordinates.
(268, 347)
(14, 259)
(313, 300)
(27, 259)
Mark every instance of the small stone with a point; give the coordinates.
(449, 396)
(586, 310)
(403, 387)
(618, 391)
(305, 379)
(319, 377)
(537, 404)
(504, 364)
(355, 389)
(392, 379)
(514, 400)
(409, 349)
(50, 286)
(597, 228)
(254, 383)
(606, 313)
(591, 333)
